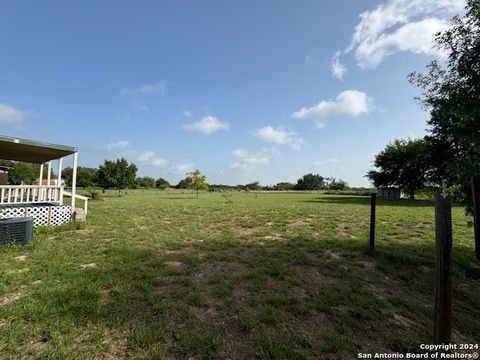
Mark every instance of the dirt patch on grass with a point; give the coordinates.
(342, 231)
(332, 255)
(402, 320)
(275, 236)
(116, 342)
(38, 346)
(21, 258)
(183, 250)
(314, 327)
(224, 268)
(241, 292)
(84, 231)
(9, 298)
(17, 271)
(370, 265)
(295, 225)
(235, 342)
(213, 230)
(173, 263)
(419, 227)
(88, 266)
(309, 275)
(345, 235)
(240, 230)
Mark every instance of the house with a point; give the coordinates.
(44, 201)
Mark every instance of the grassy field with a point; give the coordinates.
(163, 275)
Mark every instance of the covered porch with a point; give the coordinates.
(43, 201)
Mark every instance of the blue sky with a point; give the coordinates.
(242, 90)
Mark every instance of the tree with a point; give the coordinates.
(286, 186)
(403, 163)
(86, 177)
(184, 183)
(117, 174)
(162, 184)
(254, 186)
(197, 181)
(337, 185)
(451, 94)
(310, 182)
(145, 182)
(21, 172)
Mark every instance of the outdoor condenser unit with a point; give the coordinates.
(17, 230)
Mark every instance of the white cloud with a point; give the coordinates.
(401, 25)
(349, 102)
(208, 125)
(148, 88)
(187, 113)
(140, 106)
(249, 161)
(11, 116)
(182, 168)
(149, 158)
(280, 136)
(337, 68)
(122, 144)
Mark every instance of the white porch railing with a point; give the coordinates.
(25, 194)
(80, 197)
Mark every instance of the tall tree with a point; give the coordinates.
(197, 181)
(21, 172)
(117, 174)
(254, 186)
(162, 184)
(284, 186)
(310, 182)
(184, 183)
(145, 182)
(451, 93)
(403, 163)
(86, 177)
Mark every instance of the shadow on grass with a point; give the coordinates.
(178, 197)
(365, 200)
(151, 303)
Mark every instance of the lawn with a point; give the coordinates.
(162, 274)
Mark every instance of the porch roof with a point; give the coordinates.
(32, 151)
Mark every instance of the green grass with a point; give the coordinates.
(161, 274)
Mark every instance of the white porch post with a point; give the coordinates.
(49, 173)
(41, 175)
(74, 180)
(39, 190)
(59, 181)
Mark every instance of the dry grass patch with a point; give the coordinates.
(9, 298)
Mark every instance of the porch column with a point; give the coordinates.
(49, 175)
(74, 180)
(49, 172)
(59, 181)
(39, 190)
(41, 175)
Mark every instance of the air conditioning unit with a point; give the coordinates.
(16, 230)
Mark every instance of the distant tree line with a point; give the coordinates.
(120, 174)
(306, 182)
